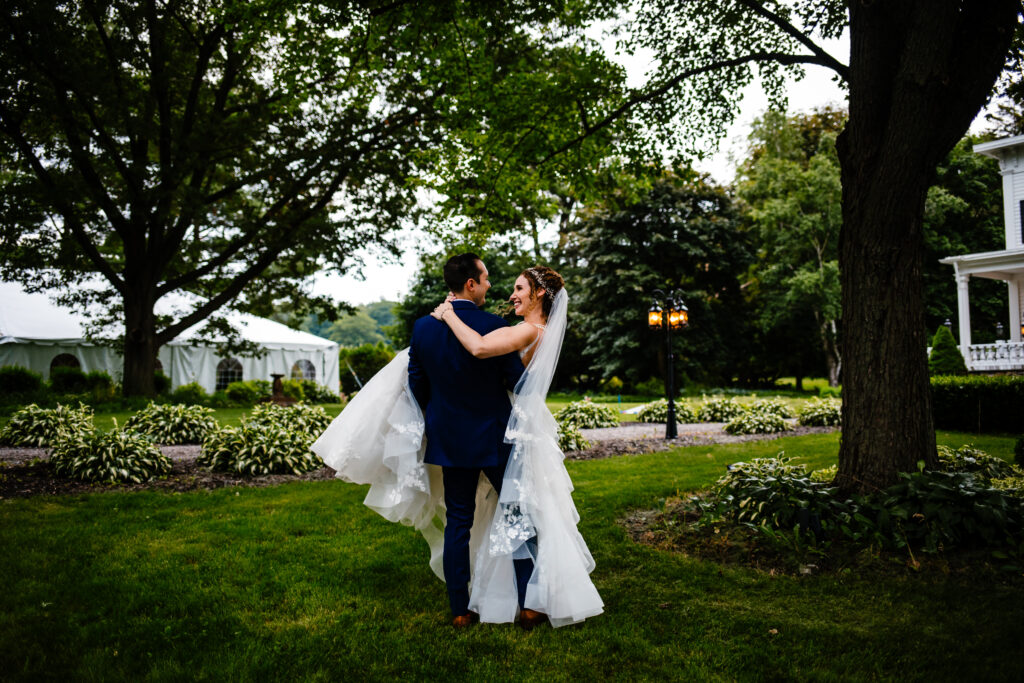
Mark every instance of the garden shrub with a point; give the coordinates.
(771, 405)
(937, 510)
(945, 358)
(33, 426)
(301, 417)
(613, 385)
(657, 411)
(1013, 486)
(927, 510)
(652, 387)
(719, 410)
(830, 392)
(978, 403)
(319, 394)
(173, 424)
(571, 439)
(768, 492)
(293, 389)
(101, 386)
(820, 412)
(767, 421)
(259, 448)
(192, 393)
(970, 459)
(161, 383)
(825, 475)
(249, 392)
(15, 379)
(67, 380)
(1018, 452)
(365, 361)
(586, 414)
(115, 456)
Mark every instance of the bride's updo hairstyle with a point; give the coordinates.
(542, 277)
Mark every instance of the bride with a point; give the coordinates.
(378, 440)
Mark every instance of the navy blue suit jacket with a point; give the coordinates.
(464, 399)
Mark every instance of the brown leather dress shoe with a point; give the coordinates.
(465, 620)
(529, 618)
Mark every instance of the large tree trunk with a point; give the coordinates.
(919, 72)
(140, 345)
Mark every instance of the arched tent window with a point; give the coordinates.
(228, 370)
(303, 369)
(64, 360)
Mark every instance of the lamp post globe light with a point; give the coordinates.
(668, 312)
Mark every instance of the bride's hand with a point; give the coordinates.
(441, 310)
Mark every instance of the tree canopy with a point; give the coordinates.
(679, 232)
(232, 149)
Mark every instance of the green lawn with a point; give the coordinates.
(302, 582)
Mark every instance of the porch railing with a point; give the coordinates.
(998, 356)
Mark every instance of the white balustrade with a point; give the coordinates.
(999, 356)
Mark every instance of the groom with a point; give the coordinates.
(466, 408)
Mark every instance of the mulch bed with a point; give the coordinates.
(25, 472)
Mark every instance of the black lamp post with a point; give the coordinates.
(668, 312)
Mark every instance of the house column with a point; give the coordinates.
(1014, 287)
(963, 301)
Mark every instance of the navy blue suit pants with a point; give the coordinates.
(460, 498)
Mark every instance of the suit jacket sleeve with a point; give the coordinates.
(418, 382)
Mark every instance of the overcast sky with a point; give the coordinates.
(391, 281)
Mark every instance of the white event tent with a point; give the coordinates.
(38, 334)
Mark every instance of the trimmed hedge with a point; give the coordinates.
(978, 403)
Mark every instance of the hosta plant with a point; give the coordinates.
(719, 410)
(259, 448)
(756, 422)
(173, 424)
(114, 456)
(825, 475)
(39, 427)
(970, 459)
(301, 417)
(570, 439)
(657, 411)
(773, 406)
(587, 415)
(820, 412)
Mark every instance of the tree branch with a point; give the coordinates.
(827, 60)
(648, 96)
(59, 199)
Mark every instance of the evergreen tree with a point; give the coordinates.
(945, 358)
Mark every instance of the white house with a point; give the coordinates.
(37, 334)
(1006, 265)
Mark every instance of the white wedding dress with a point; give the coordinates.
(378, 440)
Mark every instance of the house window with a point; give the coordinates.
(64, 360)
(1021, 214)
(303, 369)
(228, 370)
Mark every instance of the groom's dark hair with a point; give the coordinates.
(461, 268)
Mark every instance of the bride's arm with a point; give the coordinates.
(495, 343)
